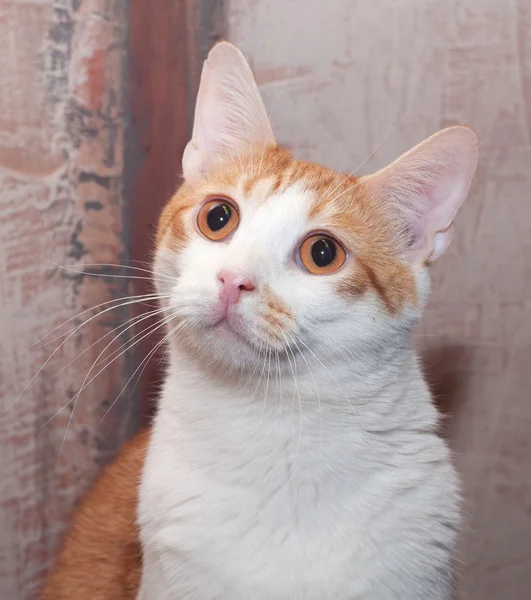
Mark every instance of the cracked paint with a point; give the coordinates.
(62, 129)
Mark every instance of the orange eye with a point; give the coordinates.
(320, 254)
(217, 219)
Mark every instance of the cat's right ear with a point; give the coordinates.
(230, 117)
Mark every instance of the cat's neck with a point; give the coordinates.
(369, 392)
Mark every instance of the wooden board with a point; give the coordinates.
(167, 47)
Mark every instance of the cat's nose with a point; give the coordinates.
(233, 285)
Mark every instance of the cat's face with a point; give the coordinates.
(277, 254)
(259, 253)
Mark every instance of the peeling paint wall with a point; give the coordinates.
(62, 127)
(353, 84)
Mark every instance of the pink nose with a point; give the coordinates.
(233, 286)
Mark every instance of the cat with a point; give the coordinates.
(294, 454)
(101, 555)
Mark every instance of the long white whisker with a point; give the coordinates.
(280, 382)
(259, 379)
(149, 329)
(143, 317)
(150, 272)
(294, 340)
(107, 275)
(253, 371)
(378, 146)
(38, 343)
(86, 383)
(267, 382)
(353, 173)
(55, 266)
(64, 342)
(338, 385)
(144, 362)
(289, 350)
(127, 325)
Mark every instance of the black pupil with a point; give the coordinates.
(219, 216)
(323, 252)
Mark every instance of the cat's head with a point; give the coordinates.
(258, 251)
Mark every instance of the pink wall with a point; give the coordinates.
(345, 79)
(62, 128)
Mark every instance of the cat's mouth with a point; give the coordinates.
(231, 325)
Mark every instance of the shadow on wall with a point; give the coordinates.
(447, 367)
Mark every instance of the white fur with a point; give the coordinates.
(330, 484)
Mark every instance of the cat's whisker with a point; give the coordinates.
(128, 345)
(381, 143)
(279, 375)
(371, 154)
(239, 157)
(139, 319)
(142, 366)
(86, 383)
(60, 410)
(336, 183)
(253, 371)
(294, 340)
(73, 332)
(127, 325)
(354, 411)
(55, 266)
(259, 379)
(299, 443)
(267, 383)
(293, 370)
(150, 272)
(269, 113)
(261, 158)
(251, 159)
(151, 278)
(40, 343)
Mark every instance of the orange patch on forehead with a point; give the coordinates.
(370, 236)
(172, 226)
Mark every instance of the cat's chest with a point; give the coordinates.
(219, 521)
(277, 528)
(259, 542)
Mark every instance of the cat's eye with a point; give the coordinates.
(320, 254)
(217, 219)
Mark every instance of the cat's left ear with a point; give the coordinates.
(424, 189)
(230, 117)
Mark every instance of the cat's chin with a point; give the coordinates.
(225, 329)
(223, 344)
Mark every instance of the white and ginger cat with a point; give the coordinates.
(294, 454)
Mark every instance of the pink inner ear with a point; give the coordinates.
(424, 189)
(230, 118)
(442, 240)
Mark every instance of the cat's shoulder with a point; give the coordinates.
(101, 554)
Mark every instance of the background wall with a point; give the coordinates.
(350, 83)
(96, 101)
(353, 84)
(62, 127)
